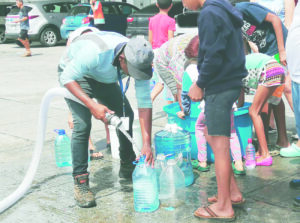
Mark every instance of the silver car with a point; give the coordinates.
(45, 19)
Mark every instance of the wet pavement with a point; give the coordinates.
(50, 199)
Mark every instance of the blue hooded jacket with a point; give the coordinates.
(221, 58)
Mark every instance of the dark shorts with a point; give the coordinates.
(218, 108)
(23, 34)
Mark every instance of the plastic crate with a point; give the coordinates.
(242, 121)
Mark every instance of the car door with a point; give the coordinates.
(113, 20)
(55, 12)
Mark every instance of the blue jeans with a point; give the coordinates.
(296, 104)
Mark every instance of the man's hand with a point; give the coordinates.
(99, 111)
(147, 151)
(195, 93)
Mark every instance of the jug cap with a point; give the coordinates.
(60, 131)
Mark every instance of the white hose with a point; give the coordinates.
(26, 183)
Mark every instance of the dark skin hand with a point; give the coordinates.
(195, 93)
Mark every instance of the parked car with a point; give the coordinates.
(44, 19)
(186, 22)
(138, 22)
(4, 10)
(115, 14)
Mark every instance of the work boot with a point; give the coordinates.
(126, 170)
(82, 193)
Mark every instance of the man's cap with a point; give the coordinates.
(139, 56)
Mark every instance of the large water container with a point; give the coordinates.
(62, 146)
(176, 142)
(145, 192)
(171, 140)
(172, 186)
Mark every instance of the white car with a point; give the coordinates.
(45, 19)
(186, 22)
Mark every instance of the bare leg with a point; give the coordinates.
(224, 175)
(227, 187)
(288, 90)
(260, 99)
(279, 114)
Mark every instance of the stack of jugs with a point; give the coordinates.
(172, 186)
(173, 140)
(145, 191)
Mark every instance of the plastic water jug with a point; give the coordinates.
(62, 147)
(159, 165)
(172, 186)
(145, 191)
(186, 167)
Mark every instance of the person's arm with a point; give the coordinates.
(150, 36)
(253, 47)
(156, 90)
(97, 110)
(145, 116)
(170, 34)
(241, 99)
(142, 92)
(289, 6)
(196, 93)
(92, 3)
(277, 25)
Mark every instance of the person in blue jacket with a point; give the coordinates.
(91, 67)
(221, 68)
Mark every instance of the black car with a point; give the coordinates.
(4, 10)
(137, 23)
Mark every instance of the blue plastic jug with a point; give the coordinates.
(62, 146)
(145, 192)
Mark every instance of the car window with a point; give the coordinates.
(109, 10)
(4, 10)
(126, 9)
(80, 10)
(149, 9)
(176, 9)
(15, 10)
(55, 8)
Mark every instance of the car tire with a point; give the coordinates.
(2, 35)
(49, 37)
